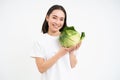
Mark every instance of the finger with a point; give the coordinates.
(77, 46)
(66, 49)
(73, 48)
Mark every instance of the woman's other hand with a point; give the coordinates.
(73, 48)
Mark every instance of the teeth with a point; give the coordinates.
(55, 26)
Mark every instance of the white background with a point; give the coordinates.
(20, 25)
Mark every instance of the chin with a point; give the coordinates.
(55, 30)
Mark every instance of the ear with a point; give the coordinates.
(47, 17)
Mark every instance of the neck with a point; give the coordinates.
(53, 33)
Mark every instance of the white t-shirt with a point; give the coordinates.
(46, 47)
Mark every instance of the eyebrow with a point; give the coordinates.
(56, 16)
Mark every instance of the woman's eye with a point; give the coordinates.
(54, 17)
(61, 19)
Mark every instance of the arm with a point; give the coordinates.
(73, 59)
(45, 65)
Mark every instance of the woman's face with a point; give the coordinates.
(55, 20)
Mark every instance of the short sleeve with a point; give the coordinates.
(37, 50)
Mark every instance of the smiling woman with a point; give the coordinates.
(53, 61)
(55, 21)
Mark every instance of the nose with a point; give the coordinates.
(57, 21)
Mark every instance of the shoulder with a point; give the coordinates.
(41, 39)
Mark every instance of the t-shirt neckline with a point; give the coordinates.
(52, 36)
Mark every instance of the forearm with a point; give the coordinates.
(50, 62)
(73, 60)
(45, 65)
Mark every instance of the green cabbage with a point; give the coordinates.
(82, 36)
(70, 37)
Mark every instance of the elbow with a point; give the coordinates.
(40, 65)
(74, 64)
(41, 69)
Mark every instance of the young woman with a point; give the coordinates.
(54, 61)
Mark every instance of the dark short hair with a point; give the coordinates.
(45, 23)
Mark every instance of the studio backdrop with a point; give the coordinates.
(99, 54)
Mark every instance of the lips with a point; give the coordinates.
(55, 26)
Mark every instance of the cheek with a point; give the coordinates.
(62, 23)
(52, 20)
